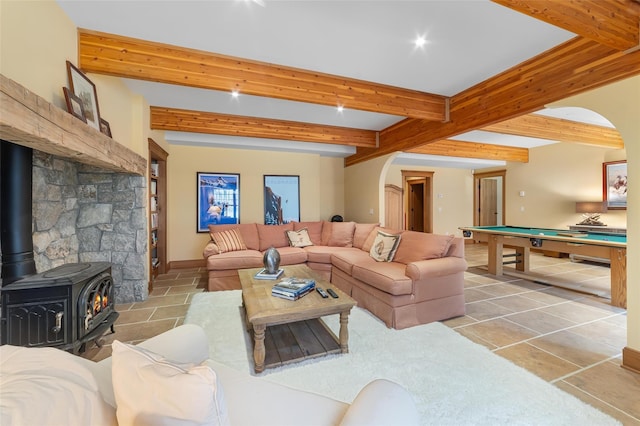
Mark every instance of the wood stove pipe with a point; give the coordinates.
(16, 163)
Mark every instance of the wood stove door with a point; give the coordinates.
(37, 324)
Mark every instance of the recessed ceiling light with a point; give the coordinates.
(235, 93)
(420, 41)
(340, 108)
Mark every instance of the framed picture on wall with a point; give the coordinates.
(84, 89)
(218, 199)
(74, 105)
(614, 184)
(281, 199)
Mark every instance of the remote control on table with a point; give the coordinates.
(332, 293)
(321, 292)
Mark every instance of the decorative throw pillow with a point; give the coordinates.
(151, 390)
(299, 238)
(229, 240)
(384, 247)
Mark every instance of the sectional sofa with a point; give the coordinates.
(405, 278)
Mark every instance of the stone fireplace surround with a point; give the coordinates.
(89, 191)
(84, 213)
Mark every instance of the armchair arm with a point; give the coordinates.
(382, 402)
(435, 267)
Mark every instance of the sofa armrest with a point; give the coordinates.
(382, 402)
(210, 249)
(435, 267)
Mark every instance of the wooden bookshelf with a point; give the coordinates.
(157, 211)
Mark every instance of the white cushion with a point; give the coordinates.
(151, 390)
(299, 238)
(47, 386)
(384, 247)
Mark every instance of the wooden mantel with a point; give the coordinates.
(29, 120)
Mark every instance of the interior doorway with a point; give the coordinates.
(418, 190)
(489, 198)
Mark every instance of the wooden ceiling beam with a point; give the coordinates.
(560, 130)
(573, 67)
(127, 57)
(454, 148)
(181, 120)
(613, 23)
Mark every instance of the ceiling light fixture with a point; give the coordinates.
(340, 108)
(235, 93)
(420, 41)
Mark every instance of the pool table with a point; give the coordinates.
(594, 244)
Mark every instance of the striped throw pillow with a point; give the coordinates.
(229, 240)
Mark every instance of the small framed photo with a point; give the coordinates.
(281, 199)
(74, 105)
(104, 127)
(614, 184)
(218, 199)
(85, 90)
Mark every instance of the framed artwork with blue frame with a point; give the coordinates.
(218, 199)
(281, 199)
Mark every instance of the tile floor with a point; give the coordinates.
(571, 339)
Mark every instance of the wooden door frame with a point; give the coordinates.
(476, 194)
(408, 175)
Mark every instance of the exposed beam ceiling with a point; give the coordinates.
(233, 125)
(571, 68)
(605, 51)
(146, 60)
(615, 24)
(556, 129)
(473, 150)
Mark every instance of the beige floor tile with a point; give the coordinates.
(540, 363)
(485, 310)
(574, 348)
(518, 302)
(184, 289)
(174, 299)
(476, 294)
(163, 312)
(612, 384)
(135, 315)
(540, 321)
(609, 409)
(576, 312)
(175, 282)
(500, 332)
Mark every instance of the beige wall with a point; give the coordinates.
(364, 190)
(555, 177)
(452, 196)
(620, 103)
(319, 193)
(36, 40)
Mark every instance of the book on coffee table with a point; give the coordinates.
(293, 288)
(264, 275)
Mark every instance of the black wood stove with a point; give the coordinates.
(64, 307)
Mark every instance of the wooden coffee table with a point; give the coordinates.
(286, 331)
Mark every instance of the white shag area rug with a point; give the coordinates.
(453, 380)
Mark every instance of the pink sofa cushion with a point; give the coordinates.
(292, 255)
(233, 260)
(385, 276)
(361, 233)
(415, 246)
(313, 228)
(229, 240)
(273, 235)
(338, 234)
(248, 232)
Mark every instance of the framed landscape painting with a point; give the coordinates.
(85, 90)
(218, 199)
(614, 184)
(281, 199)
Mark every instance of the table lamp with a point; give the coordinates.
(591, 212)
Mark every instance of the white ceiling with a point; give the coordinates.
(468, 41)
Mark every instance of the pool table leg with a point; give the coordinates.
(618, 258)
(522, 258)
(496, 248)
